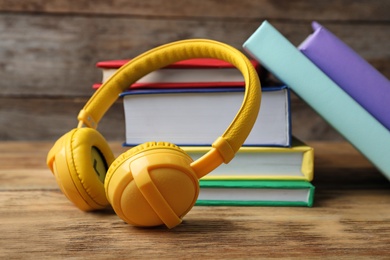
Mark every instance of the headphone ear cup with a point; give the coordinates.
(152, 184)
(79, 161)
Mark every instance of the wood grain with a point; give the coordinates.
(350, 217)
(49, 118)
(49, 49)
(345, 10)
(54, 117)
(56, 55)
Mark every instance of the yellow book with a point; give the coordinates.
(263, 163)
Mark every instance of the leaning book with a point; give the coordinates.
(349, 71)
(340, 110)
(255, 193)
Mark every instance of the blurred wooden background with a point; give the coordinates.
(48, 50)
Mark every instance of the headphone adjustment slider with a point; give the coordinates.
(224, 149)
(86, 119)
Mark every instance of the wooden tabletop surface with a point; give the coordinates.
(350, 217)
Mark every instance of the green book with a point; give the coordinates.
(340, 110)
(255, 193)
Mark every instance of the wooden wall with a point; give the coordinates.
(48, 50)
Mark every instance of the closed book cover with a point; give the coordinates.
(204, 72)
(255, 193)
(263, 163)
(348, 117)
(198, 116)
(179, 85)
(349, 71)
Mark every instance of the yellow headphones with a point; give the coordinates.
(156, 182)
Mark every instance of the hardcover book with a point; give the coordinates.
(263, 163)
(196, 116)
(200, 72)
(349, 71)
(255, 193)
(348, 117)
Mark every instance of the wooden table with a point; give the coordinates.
(350, 217)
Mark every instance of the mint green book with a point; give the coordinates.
(348, 117)
(255, 193)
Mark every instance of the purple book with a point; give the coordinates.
(349, 71)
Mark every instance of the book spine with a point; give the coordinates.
(349, 71)
(308, 164)
(352, 121)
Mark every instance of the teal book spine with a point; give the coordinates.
(275, 193)
(349, 118)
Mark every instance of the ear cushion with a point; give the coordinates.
(152, 145)
(162, 165)
(88, 157)
(139, 149)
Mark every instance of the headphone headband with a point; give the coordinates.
(234, 136)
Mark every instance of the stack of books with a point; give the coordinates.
(191, 103)
(335, 81)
